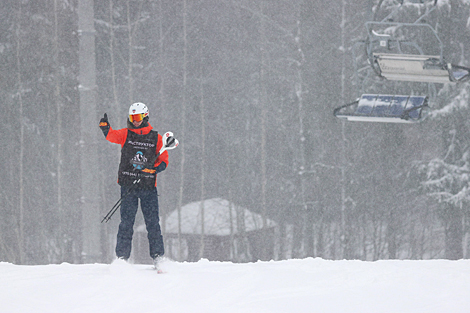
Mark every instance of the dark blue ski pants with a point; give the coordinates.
(149, 206)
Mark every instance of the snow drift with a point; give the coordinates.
(307, 285)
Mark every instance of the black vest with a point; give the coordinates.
(138, 152)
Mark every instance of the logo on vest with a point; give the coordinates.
(139, 161)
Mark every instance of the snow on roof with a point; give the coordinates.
(220, 216)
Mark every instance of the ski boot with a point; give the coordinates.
(156, 263)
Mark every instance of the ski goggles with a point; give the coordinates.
(136, 117)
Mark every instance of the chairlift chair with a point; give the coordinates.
(387, 58)
(384, 108)
(394, 51)
(419, 68)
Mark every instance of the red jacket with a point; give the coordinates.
(119, 136)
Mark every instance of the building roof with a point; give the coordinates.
(220, 217)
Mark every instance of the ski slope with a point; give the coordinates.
(307, 285)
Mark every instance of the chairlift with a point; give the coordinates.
(419, 68)
(395, 52)
(384, 108)
(387, 56)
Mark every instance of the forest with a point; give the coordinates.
(249, 88)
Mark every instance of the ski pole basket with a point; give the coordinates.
(384, 108)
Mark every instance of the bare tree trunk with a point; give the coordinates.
(161, 93)
(203, 142)
(60, 210)
(160, 57)
(243, 251)
(263, 104)
(21, 154)
(453, 232)
(131, 35)
(183, 126)
(232, 228)
(131, 53)
(343, 233)
(91, 248)
(112, 60)
(299, 92)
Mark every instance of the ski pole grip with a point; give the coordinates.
(170, 141)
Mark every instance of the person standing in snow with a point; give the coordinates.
(138, 169)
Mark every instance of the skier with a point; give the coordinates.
(137, 177)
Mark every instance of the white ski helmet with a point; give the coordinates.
(138, 111)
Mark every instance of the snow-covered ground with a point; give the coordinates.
(308, 285)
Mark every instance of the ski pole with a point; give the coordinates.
(118, 203)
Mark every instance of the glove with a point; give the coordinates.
(161, 167)
(149, 170)
(104, 125)
(158, 169)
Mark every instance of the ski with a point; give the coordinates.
(158, 269)
(156, 265)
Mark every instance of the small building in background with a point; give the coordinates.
(214, 229)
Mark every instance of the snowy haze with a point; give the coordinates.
(249, 89)
(307, 285)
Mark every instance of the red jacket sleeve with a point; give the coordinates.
(162, 157)
(117, 136)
